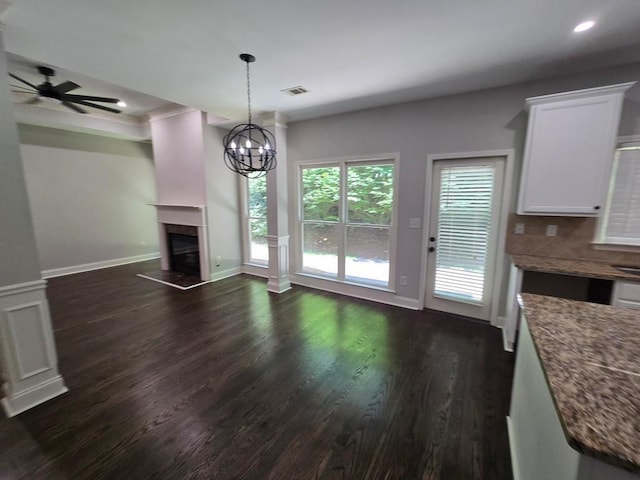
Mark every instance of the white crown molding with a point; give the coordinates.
(126, 127)
(169, 111)
(579, 94)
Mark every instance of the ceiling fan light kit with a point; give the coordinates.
(47, 92)
(249, 149)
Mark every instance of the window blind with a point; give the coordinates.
(464, 223)
(622, 225)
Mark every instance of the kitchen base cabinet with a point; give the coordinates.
(539, 449)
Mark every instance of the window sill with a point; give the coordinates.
(615, 247)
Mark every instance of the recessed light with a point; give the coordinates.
(121, 103)
(584, 26)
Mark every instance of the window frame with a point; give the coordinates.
(600, 242)
(246, 227)
(341, 223)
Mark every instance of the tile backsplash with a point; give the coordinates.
(573, 240)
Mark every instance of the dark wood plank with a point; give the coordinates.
(228, 381)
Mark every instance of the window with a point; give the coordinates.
(620, 224)
(256, 250)
(346, 217)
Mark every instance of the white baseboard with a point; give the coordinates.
(41, 393)
(255, 270)
(357, 291)
(229, 272)
(86, 267)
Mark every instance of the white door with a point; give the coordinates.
(465, 203)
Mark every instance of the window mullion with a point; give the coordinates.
(342, 233)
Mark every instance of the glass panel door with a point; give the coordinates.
(465, 201)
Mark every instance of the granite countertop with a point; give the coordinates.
(564, 266)
(590, 354)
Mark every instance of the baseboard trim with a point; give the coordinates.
(229, 272)
(356, 291)
(87, 267)
(515, 467)
(27, 399)
(255, 270)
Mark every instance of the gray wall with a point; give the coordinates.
(223, 204)
(18, 254)
(88, 196)
(486, 120)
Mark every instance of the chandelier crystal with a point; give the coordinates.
(249, 149)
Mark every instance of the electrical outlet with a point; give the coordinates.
(519, 230)
(552, 230)
(403, 281)
(414, 223)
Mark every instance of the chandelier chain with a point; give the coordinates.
(249, 91)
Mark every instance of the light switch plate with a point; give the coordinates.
(519, 230)
(552, 230)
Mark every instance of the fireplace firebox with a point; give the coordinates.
(183, 246)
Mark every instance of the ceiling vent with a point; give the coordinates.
(295, 90)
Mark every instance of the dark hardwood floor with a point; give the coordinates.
(227, 381)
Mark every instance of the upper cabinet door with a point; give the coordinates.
(569, 150)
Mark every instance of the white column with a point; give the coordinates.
(277, 210)
(27, 350)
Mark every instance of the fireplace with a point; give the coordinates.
(184, 245)
(184, 252)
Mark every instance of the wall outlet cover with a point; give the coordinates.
(519, 230)
(552, 230)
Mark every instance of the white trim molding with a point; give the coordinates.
(229, 272)
(87, 267)
(29, 360)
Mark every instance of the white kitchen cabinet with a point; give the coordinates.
(626, 295)
(569, 151)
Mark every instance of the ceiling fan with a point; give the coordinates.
(46, 90)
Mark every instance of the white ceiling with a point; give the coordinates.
(350, 54)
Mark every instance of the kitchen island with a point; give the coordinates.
(575, 406)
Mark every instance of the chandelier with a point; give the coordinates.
(249, 149)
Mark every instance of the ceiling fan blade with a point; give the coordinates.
(24, 89)
(65, 87)
(32, 101)
(75, 98)
(93, 105)
(23, 81)
(16, 89)
(74, 107)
